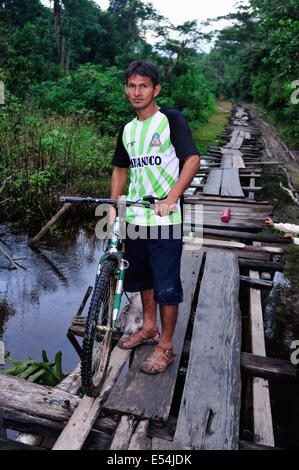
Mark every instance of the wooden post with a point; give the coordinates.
(46, 227)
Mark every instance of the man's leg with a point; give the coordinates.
(163, 355)
(149, 331)
(149, 309)
(168, 315)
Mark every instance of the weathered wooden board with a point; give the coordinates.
(210, 407)
(137, 393)
(262, 417)
(213, 184)
(9, 444)
(231, 186)
(194, 198)
(227, 161)
(47, 402)
(268, 367)
(78, 427)
(238, 162)
(123, 433)
(162, 444)
(247, 236)
(234, 152)
(140, 439)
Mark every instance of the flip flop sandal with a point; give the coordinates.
(158, 361)
(138, 338)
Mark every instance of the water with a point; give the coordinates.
(37, 305)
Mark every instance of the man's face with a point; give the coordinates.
(141, 92)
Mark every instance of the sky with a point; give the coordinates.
(180, 11)
(185, 10)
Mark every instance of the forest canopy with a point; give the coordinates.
(62, 67)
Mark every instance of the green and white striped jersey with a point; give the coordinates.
(154, 150)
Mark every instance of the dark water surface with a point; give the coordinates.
(36, 305)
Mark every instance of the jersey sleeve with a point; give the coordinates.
(121, 157)
(181, 137)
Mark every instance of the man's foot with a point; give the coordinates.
(141, 336)
(158, 361)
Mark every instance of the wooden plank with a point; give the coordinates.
(243, 255)
(268, 367)
(140, 439)
(247, 236)
(41, 427)
(210, 407)
(162, 444)
(244, 188)
(195, 198)
(257, 283)
(47, 402)
(213, 184)
(238, 162)
(76, 431)
(123, 433)
(240, 211)
(230, 244)
(233, 152)
(246, 445)
(231, 186)
(9, 444)
(226, 162)
(262, 417)
(258, 265)
(137, 393)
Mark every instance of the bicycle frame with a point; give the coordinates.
(115, 245)
(115, 248)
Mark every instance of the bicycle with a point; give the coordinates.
(104, 308)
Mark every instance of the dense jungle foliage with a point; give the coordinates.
(62, 67)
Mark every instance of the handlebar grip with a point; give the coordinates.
(152, 199)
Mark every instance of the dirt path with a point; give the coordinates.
(277, 147)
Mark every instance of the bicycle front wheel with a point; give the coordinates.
(96, 348)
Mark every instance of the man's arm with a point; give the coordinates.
(118, 184)
(118, 181)
(190, 168)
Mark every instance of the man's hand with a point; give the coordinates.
(165, 207)
(269, 221)
(111, 215)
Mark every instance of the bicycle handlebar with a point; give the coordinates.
(147, 200)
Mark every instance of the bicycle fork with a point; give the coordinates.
(119, 290)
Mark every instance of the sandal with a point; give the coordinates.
(140, 337)
(158, 361)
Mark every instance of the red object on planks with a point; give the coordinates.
(225, 216)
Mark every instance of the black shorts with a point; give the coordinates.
(155, 262)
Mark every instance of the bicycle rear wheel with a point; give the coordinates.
(96, 348)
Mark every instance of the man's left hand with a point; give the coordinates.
(165, 207)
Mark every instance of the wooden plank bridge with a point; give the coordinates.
(196, 403)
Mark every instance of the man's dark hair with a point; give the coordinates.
(143, 68)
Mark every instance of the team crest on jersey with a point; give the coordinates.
(155, 142)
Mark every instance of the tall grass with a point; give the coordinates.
(42, 157)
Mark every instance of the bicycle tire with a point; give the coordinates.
(93, 369)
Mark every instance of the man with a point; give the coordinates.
(156, 145)
(290, 229)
